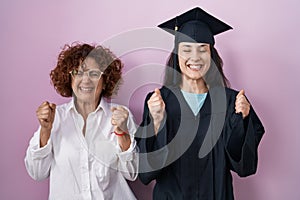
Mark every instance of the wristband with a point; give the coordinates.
(119, 134)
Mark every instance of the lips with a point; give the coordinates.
(86, 89)
(194, 67)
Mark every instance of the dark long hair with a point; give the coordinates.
(214, 76)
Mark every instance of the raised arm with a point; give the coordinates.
(39, 152)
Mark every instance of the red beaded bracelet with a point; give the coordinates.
(119, 134)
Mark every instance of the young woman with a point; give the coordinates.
(196, 130)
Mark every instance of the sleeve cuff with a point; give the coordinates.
(129, 154)
(38, 152)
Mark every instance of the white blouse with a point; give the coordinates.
(84, 167)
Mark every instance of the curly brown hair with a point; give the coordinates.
(73, 55)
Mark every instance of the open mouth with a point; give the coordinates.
(195, 67)
(86, 89)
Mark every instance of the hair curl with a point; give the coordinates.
(73, 55)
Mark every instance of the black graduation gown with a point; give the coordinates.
(172, 157)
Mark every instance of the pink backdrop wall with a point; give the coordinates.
(260, 55)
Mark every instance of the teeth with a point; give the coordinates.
(195, 66)
(86, 89)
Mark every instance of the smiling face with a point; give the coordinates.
(194, 60)
(85, 88)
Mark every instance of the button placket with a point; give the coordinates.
(84, 169)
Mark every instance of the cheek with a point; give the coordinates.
(73, 85)
(207, 59)
(181, 60)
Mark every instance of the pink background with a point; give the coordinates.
(261, 55)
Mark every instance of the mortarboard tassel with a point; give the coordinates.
(174, 55)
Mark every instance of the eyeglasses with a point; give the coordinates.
(93, 74)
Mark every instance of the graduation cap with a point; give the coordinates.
(195, 25)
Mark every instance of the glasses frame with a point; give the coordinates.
(79, 77)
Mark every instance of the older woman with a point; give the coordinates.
(85, 146)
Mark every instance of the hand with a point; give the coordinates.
(241, 104)
(45, 114)
(156, 107)
(119, 119)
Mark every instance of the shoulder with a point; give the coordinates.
(231, 92)
(231, 95)
(164, 91)
(221, 93)
(217, 91)
(168, 91)
(61, 114)
(62, 108)
(62, 111)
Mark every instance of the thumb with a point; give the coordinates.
(52, 106)
(157, 91)
(242, 92)
(113, 109)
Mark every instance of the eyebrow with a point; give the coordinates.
(204, 45)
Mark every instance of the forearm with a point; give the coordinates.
(236, 137)
(124, 141)
(159, 123)
(44, 136)
(243, 156)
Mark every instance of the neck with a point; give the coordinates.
(85, 108)
(194, 86)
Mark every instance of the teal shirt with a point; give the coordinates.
(195, 101)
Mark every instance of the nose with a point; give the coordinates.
(195, 56)
(85, 76)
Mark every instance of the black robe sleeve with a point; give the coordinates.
(151, 164)
(242, 140)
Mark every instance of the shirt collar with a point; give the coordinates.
(71, 105)
(102, 105)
